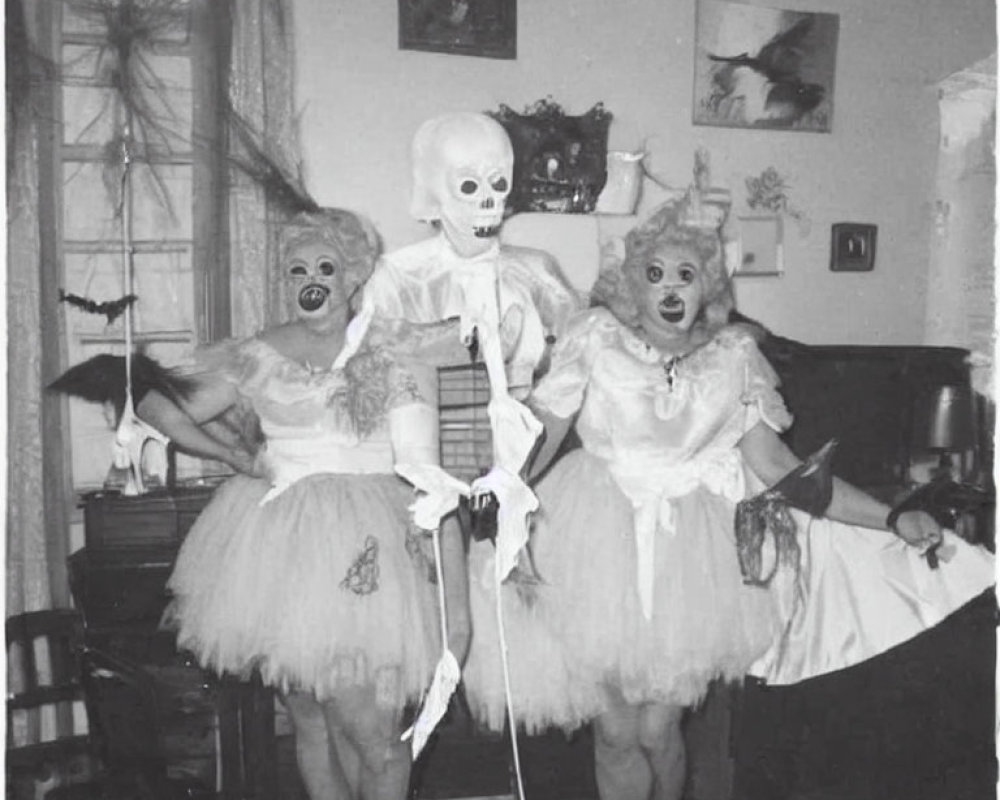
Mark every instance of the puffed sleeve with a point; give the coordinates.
(561, 390)
(760, 383)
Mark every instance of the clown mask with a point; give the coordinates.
(463, 166)
(315, 278)
(668, 290)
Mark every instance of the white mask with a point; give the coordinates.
(463, 166)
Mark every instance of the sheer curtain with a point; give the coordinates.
(260, 91)
(28, 584)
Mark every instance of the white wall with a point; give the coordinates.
(361, 98)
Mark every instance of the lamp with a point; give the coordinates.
(944, 422)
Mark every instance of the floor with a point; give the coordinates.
(472, 765)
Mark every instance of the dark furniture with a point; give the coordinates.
(918, 720)
(209, 734)
(44, 680)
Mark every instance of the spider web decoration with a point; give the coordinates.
(279, 184)
(131, 31)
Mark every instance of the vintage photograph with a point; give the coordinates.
(360, 444)
(761, 250)
(758, 67)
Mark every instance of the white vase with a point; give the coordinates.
(621, 192)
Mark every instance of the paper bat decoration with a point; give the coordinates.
(808, 487)
(112, 309)
(101, 379)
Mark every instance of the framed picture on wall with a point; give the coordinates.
(759, 67)
(761, 248)
(852, 247)
(486, 28)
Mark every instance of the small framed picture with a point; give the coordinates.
(486, 28)
(761, 249)
(852, 247)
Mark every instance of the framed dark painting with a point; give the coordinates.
(486, 28)
(758, 67)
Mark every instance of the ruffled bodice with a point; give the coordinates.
(644, 414)
(316, 420)
(665, 427)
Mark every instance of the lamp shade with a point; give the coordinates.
(944, 419)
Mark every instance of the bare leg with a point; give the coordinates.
(350, 761)
(623, 771)
(319, 763)
(456, 584)
(374, 733)
(662, 743)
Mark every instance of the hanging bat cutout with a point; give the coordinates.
(809, 488)
(112, 309)
(101, 379)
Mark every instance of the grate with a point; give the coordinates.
(465, 437)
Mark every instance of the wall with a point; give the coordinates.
(361, 98)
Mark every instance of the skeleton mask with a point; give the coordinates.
(463, 165)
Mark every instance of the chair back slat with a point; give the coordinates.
(47, 738)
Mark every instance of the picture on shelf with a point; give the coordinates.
(761, 249)
(486, 28)
(761, 67)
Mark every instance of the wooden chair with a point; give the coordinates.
(47, 756)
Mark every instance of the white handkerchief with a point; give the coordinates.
(440, 493)
(446, 677)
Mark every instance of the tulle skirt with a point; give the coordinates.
(323, 588)
(583, 641)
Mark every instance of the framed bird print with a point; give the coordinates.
(758, 67)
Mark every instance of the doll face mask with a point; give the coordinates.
(463, 165)
(315, 278)
(668, 289)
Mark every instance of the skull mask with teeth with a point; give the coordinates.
(463, 165)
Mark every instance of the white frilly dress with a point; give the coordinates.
(314, 577)
(641, 595)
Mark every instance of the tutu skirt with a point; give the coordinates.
(322, 588)
(583, 641)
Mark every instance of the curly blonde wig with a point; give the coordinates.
(352, 237)
(670, 225)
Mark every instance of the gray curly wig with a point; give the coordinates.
(352, 237)
(670, 225)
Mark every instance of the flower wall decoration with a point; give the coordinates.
(768, 192)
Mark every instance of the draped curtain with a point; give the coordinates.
(28, 585)
(260, 91)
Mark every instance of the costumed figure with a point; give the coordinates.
(641, 601)
(306, 566)
(430, 301)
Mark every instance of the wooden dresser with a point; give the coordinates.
(213, 735)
